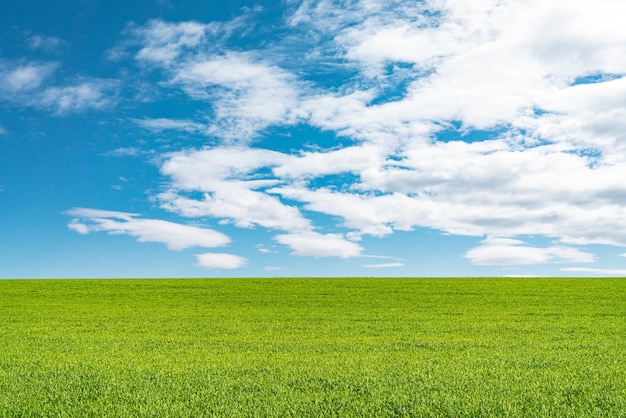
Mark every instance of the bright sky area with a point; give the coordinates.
(162, 138)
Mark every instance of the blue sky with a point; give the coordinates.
(312, 138)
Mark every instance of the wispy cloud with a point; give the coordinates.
(166, 44)
(596, 271)
(162, 124)
(19, 78)
(507, 251)
(248, 94)
(32, 84)
(163, 42)
(383, 265)
(49, 44)
(84, 95)
(175, 236)
(273, 268)
(126, 152)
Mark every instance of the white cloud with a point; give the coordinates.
(175, 236)
(99, 213)
(596, 271)
(316, 164)
(161, 124)
(507, 251)
(92, 94)
(166, 43)
(227, 176)
(273, 268)
(247, 94)
(313, 244)
(2, 130)
(383, 265)
(16, 79)
(373, 215)
(125, 152)
(263, 249)
(623, 255)
(49, 44)
(236, 202)
(206, 168)
(31, 84)
(163, 42)
(220, 261)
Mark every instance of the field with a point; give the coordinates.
(313, 347)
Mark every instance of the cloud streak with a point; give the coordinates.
(383, 265)
(596, 271)
(507, 251)
(175, 236)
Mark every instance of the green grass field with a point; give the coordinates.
(313, 347)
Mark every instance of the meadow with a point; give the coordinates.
(313, 348)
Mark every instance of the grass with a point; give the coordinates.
(313, 347)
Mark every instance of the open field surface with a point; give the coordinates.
(313, 347)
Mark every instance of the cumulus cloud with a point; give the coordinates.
(175, 236)
(229, 179)
(314, 244)
(247, 94)
(220, 261)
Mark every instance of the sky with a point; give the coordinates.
(162, 138)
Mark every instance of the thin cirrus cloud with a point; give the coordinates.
(165, 124)
(18, 78)
(84, 95)
(33, 85)
(49, 44)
